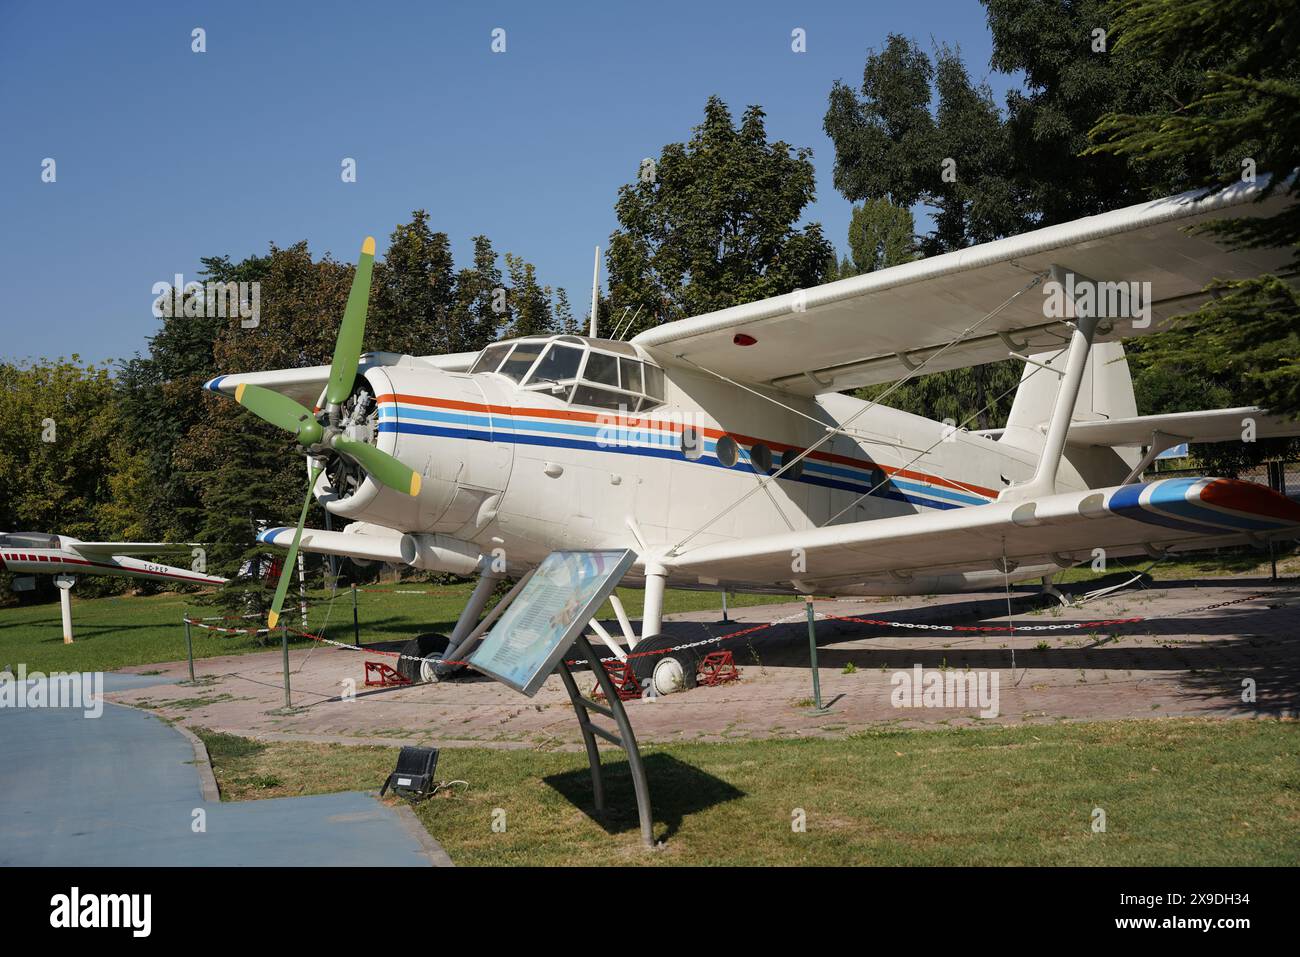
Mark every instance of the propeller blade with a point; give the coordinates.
(380, 464)
(347, 348)
(280, 410)
(290, 560)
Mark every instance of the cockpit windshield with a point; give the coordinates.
(601, 373)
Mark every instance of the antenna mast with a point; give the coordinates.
(595, 284)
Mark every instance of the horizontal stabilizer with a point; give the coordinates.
(1213, 425)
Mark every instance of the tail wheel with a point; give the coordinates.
(669, 672)
(422, 647)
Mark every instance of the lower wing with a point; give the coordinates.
(1176, 514)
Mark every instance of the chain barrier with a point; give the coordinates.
(755, 629)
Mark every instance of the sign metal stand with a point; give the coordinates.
(548, 614)
(625, 739)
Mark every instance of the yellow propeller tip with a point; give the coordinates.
(272, 618)
(239, 392)
(415, 483)
(368, 247)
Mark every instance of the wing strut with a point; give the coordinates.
(1043, 481)
(832, 432)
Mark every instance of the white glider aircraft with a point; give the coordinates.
(722, 449)
(40, 553)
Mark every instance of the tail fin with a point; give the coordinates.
(1106, 392)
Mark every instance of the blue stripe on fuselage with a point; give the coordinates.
(669, 452)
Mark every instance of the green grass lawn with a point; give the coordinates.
(127, 630)
(1244, 563)
(1175, 792)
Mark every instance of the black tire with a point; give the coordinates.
(644, 666)
(421, 646)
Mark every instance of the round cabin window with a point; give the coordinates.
(727, 451)
(796, 470)
(760, 456)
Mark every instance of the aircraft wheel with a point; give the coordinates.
(421, 646)
(669, 672)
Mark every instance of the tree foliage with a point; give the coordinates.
(1120, 102)
(715, 224)
(1245, 114)
(880, 235)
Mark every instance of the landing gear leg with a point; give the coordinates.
(1049, 589)
(478, 600)
(652, 617)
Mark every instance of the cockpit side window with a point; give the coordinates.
(654, 383)
(630, 371)
(522, 359)
(491, 357)
(601, 368)
(603, 398)
(558, 365)
(609, 376)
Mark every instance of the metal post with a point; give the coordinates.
(189, 647)
(356, 626)
(284, 644)
(725, 619)
(812, 655)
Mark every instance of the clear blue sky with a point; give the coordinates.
(165, 155)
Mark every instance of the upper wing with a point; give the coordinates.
(873, 328)
(1178, 513)
(1215, 425)
(305, 385)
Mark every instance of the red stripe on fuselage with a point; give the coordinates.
(663, 425)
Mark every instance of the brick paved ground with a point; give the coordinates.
(1182, 661)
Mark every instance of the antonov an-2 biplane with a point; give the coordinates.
(723, 449)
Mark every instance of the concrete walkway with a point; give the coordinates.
(123, 789)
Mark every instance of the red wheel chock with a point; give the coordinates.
(717, 668)
(380, 675)
(625, 684)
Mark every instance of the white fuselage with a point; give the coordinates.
(519, 472)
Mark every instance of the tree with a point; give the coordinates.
(531, 303)
(880, 235)
(413, 292)
(713, 224)
(1245, 114)
(892, 152)
(482, 309)
(956, 160)
(564, 314)
(1073, 71)
(57, 417)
